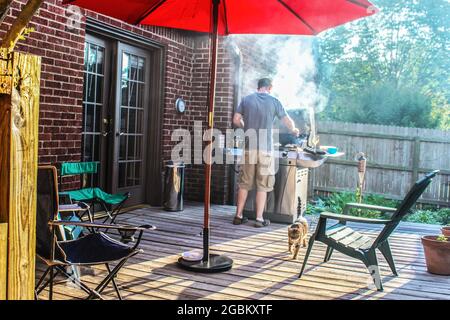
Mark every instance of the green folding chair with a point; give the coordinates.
(110, 203)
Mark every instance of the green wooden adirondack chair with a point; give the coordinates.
(354, 244)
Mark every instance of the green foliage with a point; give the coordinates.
(442, 238)
(441, 216)
(336, 203)
(22, 37)
(385, 104)
(390, 68)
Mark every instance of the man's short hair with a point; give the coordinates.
(264, 82)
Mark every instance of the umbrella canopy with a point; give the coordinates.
(222, 17)
(235, 16)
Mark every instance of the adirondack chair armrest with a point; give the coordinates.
(347, 218)
(103, 226)
(350, 205)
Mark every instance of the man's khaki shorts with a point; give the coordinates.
(258, 170)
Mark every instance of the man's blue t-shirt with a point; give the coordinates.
(259, 111)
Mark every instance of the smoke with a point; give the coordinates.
(295, 80)
(290, 61)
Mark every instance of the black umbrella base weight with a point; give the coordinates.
(216, 263)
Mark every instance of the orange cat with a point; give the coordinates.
(297, 234)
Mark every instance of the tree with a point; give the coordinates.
(405, 46)
(375, 105)
(15, 32)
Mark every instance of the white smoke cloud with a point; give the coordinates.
(294, 70)
(296, 73)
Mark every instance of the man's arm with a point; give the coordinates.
(290, 124)
(238, 121)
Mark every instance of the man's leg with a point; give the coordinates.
(261, 197)
(241, 199)
(246, 182)
(265, 181)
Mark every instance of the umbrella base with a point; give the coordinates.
(216, 263)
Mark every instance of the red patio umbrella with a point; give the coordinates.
(223, 17)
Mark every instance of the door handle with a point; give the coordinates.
(120, 133)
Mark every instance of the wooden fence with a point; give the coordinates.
(396, 157)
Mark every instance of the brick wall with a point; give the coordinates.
(62, 52)
(61, 80)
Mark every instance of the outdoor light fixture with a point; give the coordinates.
(180, 105)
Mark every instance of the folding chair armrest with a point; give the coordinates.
(350, 205)
(347, 218)
(79, 206)
(100, 225)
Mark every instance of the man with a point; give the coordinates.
(257, 112)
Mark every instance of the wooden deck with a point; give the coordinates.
(263, 269)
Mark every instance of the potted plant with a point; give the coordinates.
(446, 230)
(437, 254)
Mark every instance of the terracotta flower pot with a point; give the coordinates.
(437, 255)
(446, 231)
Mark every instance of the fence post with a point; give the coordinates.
(415, 159)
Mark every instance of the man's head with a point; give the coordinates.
(265, 84)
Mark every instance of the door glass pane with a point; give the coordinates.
(100, 60)
(131, 119)
(131, 149)
(133, 94)
(87, 154)
(90, 87)
(130, 174)
(122, 174)
(99, 90)
(91, 58)
(140, 95)
(123, 119)
(133, 67)
(125, 66)
(141, 69)
(93, 87)
(124, 92)
(123, 148)
(88, 118)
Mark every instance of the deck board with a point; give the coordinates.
(263, 269)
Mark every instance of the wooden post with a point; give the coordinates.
(3, 259)
(415, 159)
(19, 115)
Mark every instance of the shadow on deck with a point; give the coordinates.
(263, 269)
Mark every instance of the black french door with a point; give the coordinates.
(132, 96)
(116, 114)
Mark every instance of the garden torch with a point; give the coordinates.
(361, 173)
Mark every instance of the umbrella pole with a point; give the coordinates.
(210, 262)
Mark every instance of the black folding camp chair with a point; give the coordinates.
(110, 203)
(357, 245)
(94, 248)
